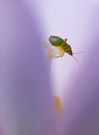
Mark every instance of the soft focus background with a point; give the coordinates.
(28, 80)
(26, 99)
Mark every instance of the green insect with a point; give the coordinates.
(59, 47)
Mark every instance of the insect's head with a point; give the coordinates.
(69, 50)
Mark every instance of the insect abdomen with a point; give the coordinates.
(55, 40)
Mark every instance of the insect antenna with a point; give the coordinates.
(78, 52)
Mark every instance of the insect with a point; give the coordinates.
(59, 47)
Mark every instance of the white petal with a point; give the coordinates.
(54, 52)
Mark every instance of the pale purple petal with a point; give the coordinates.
(25, 92)
(82, 107)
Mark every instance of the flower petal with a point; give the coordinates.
(25, 91)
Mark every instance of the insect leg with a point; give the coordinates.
(76, 59)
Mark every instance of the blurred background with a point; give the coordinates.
(29, 80)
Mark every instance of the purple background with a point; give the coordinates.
(26, 93)
(26, 99)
